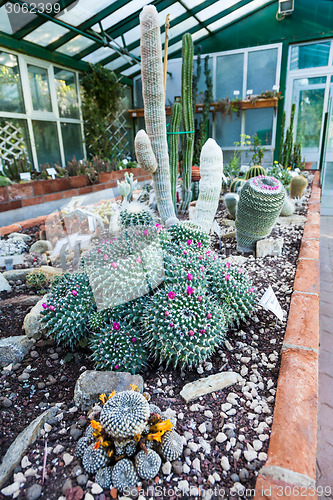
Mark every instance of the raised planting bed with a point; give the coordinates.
(227, 432)
(37, 192)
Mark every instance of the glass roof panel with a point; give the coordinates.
(121, 13)
(190, 4)
(75, 45)
(176, 46)
(46, 34)
(242, 11)
(132, 35)
(116, 63)
(215, 8)
(13, 19)
(5, 25)
(82, 11)
(199, 34)
(130, 71)
(182, 27)
(98, 55)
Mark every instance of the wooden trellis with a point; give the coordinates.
(12, 142)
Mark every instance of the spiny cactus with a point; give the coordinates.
(148, 464)
(189, 233)
(171, 446)
(231, 201)
(136, 214)
(255, 171)
(81, 446)
(125, 415)
(288, 207)
(67, 309)
(297, 186)
(188, 117)
(124, 475)
(37, 279)
(156, 147)
(183, 326)
(236, 185)
(195, 190)
(260, 202)
(103, 477)
(176, 114)
(94, 459)
(211, 170)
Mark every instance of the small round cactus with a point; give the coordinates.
(297, 186)
(255, 171)
(136, 214)
(147, 464)
(230, 201)
(94, 459)
(124, 475)
(187, 231)
(89, 434)
(171, 445)
(125, 415)
(154, 409)
(236, 185)
(81, 446)
(288, 207)
(103, 477)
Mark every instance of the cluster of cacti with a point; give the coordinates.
(118, 447)
(68, 308)
(254, 172)
(188, 117)
(105, 210)
(136, 214)
(176, 114)
(37, 279)
(260, 202)
(127, 186)
(190, 234)
(297, 186)
(231, 201)
(236, 185)
(288, 207)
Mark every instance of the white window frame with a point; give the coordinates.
(31, 115)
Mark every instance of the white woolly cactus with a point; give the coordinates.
(211, 170)
(152, 148)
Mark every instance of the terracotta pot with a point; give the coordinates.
(195, 174)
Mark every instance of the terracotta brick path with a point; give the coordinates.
(325, 415)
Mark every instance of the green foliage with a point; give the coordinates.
(255, 171)
(283, 125)
(287, 150)
(282, 174)
(5, 181)
(201, 136)
(12, 169)
(258, 150)
(176, 114)
(37, 279)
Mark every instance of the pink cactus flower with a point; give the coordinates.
(99, 250)
(199, 244)
(209, 316)
(171, 295)
(191, 333)
(200, 257)
(166, 314)
(202, 331)
(145, 232)
(189, 290)
(116, 367)
(105, 257)
(227, 277)
(202, 268)
(133, 340)
(189, 242)
(52, 308)
(114, 265)
(44, 305)
(74, 292)
(171, 324)
(199, 298)
(189, 277)
(185, 252)
(139, 260)
(116, 326)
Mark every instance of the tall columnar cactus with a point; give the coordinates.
(283, 124)
(260, 202)
(154, 144)
(289, 140)
(174, 152)
(188, 117)
(211, 169)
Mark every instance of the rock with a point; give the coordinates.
(183, 486)
(235, 260)
(25, 462)
(206, 385)
(177, 467)
(225, 464)
(67, 485)
(24, 376)
(33, 326)
(250, 455)
(196, 464)
(67, 458)
(4, 285)
(11, 489)
(234, 478)
(41, 246)
(262, 456)
(76, 433)
(166, 468)
(96, 489)
(6, 402)
(18, 274)
(186, 469)
(82, 479)
(18, 448)
(269, 246)
(58, 449)
(24, 237)
(193, 447)
(243, 474)
(92, 383)
(257, 444)
(202, 428)
(34, 492)
(221, 437)
(294, 219)
(14, 349)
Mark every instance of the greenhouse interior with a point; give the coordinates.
(166, 249)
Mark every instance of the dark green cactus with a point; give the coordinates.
(288, 143)
(236, 184)
(188, 117)
(254, 172)
(173, 148)
(283, 124)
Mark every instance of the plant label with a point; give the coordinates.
(249, 92)
(25, 176)
(236, 92)
(269, 302)
(216, 228)
(275, 87)
(52, 172)
(91, 223)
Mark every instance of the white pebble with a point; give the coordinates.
(208, 414)
(25, 462)
(221, 437)
(196, 464)
(58, 449)
(193, 447)
(202, 428)
(257, 444)
(47, 427)
(225, 464)
(262, 456)
(96, 489)
(217, 477)
(226, 406)
(166, 468)
(211, 479)
(250, 455)
(11, 489)
(186, 469)
(67, 458)
(87, 496)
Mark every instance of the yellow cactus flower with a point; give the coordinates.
(157, 436)
(137, 438)
(162, 426)
(103, 398)
(112, 394)
(96, 425)
(134, 387)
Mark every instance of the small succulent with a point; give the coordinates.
(81, 446)
(136, 214)
(147, 464)
(103, 477)
(189, 232)
(37, 279)
(94, 459)
(171, 446)
(124, 475)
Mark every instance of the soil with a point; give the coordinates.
(253, 349)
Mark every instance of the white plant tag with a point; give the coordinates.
(52, 172)
(91, 223)
(236, 92)
(249, 92)
(25, 176)
(216, 228)
(269, 302)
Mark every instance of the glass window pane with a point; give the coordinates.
(66, 93)
(310, 56)
(46, 34)
(227, 131)
(14, 139)
(261, 72)
(229, 75)
(78, 44)
(98, 55)
(72, 141)
(46, 141)
(215, 8)
(10, 84)
(39, 87)
(260, 122)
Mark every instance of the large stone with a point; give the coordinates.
(4, 285)
(92, 383)
(269, 246)
(19, 447)
(235, 260)
(13, 349)
(33, 326)
(209, 384)
(24, 237)
(41, 246)
(295, 219)
(18, 274)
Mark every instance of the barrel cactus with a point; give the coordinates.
(260, 202)
(81, 446)
(147, 464)
(136, 214)
(255, 171)
(171, 446)
(125, 415)
(231, 201)
(94, 459)
(190, 234)
(297, 186)
(236, 185)
(124, 475)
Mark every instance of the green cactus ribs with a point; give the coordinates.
(173, 148)
(255, 171)
(236, 185)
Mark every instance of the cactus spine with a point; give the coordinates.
(154, 106)
(211, 169)
(188, 117)
(174, 141)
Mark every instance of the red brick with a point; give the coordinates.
(109, 185)
(36, 200)
(314, 207)
(309, 249)
(79, 181)
(271, 489)
(105, 177)
(86, 190)
(98, 187)
(13, 228)
(117, 175)
(303, 321)
(36, 221)
(70, 193)
(313, 218)
(20, 191)
(10, 205)
(311, 231)
(307, 276)
(3, 194)
(53, 197)
(61, 184)
(42, 187)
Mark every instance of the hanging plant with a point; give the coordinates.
(227, 107)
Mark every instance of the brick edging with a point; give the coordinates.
(290, 470)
